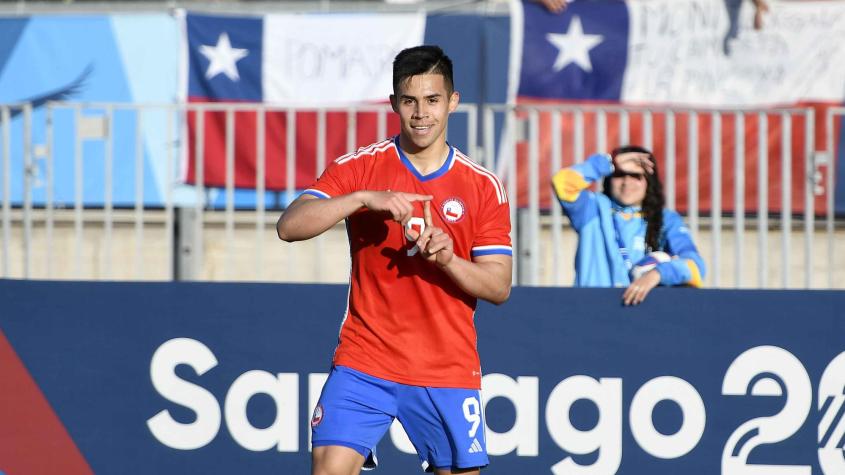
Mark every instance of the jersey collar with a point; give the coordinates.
(450, 160)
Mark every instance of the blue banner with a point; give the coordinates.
(220, 378)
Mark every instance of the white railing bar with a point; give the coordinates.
(786, 195)
(168, 196)
(601, 140)
(77, 202)
(633, 108)
(199, 175)
(762, 199)
(489, 120)
(108, 152)
(809, 202)
(512, 191)
(260, 194)
(28, 175)
(381, 126)
(319, 245)
(534, 200)
(557, 222)
(601, 131)
(739, 196)
(290, 160)
(229, 212)
(648, 130)
(139, 195)
(692, 173)
(624, 128)
(578, 143)
(670, 160)
(351, 130)
(49, 190)
(472, 133)
(716, 195)
(829, 229)
(290, 181)
(5, 116)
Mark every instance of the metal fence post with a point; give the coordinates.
(186, 255)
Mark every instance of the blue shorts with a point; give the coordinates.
(444, 424)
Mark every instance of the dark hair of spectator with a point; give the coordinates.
(426, 59)
(653, 202)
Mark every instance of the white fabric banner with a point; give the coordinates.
(689, 52)
(334, 59)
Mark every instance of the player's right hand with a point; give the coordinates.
(398, 204)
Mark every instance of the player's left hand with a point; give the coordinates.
(435, 245)
(639, 289)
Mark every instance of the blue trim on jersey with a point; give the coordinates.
(316, 193)
(431, 176)
(487, 252)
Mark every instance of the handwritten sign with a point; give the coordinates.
(334, 59)
(699, 52)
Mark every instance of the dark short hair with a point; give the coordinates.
(425, 59)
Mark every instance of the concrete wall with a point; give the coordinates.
(250, 252)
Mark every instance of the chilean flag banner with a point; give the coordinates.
(657, 55)
(303, 61)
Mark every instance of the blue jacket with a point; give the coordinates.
(604, 226)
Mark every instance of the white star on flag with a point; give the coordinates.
(223, 58)
(574, 46)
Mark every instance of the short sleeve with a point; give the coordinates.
(339, 178)
(493, 233)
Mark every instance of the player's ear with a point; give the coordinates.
(454, 99)
(393, 103)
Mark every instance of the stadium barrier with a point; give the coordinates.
(115, 191)
(222, 378)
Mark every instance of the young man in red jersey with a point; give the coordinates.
(429, 235)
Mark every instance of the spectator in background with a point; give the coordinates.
(554, 6)
(626, 237)
(760, 7)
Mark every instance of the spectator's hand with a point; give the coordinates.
(396, 203)
(435, 245)
(554, 6)
(639, 289)
(760, 7)
(641, 159)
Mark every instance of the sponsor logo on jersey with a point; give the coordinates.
(317, 418)
(453, 210)
(475, 447)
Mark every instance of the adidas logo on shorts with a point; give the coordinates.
(475, 447)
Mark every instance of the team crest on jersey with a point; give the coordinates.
(453, 210)
(317, 418)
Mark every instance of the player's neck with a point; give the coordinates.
(429, 159)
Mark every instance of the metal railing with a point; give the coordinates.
(128, 212)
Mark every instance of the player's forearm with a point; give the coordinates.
(489, 280)
(306, 218)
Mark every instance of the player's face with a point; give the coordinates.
(628, 183)
(424, 104)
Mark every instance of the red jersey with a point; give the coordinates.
(406, 320)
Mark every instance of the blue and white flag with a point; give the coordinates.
(698, 54)
(303, 60)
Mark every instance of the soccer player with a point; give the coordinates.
(428, 234)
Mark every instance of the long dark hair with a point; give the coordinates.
(653, 202)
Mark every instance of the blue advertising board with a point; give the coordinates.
(221, 378)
